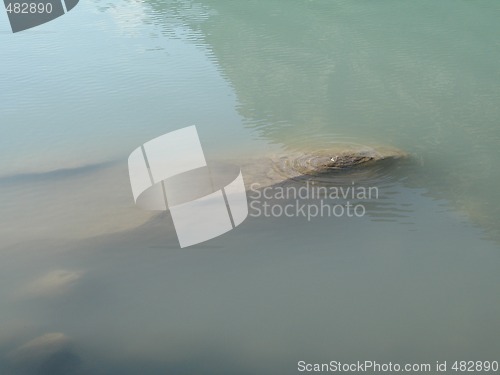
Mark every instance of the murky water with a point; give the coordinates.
(92, 284)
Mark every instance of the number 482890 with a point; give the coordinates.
(28, 8)
(475, 366)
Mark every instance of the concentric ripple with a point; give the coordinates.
(339, 164)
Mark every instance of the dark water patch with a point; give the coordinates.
(58, 174)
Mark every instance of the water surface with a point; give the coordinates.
(103, 287)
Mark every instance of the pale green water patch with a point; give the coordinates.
(420, 76)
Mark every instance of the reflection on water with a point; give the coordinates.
(369, 73)
(93, 285)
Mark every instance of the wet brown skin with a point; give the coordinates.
(344, 161)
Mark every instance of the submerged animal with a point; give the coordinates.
(332, 164)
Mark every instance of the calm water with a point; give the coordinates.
(91, 284)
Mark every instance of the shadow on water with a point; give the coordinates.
(257, 298)
(273, 290)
